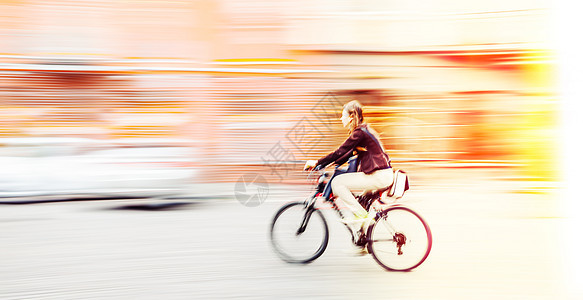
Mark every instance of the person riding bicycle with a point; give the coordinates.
(374, 170)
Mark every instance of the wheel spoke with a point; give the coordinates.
(382, 240)
(298, 238)
(388, 226)
(400, 240)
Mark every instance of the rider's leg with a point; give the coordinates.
(342, 185)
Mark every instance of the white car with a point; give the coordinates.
(72, 167)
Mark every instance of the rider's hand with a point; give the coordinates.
(310, 164)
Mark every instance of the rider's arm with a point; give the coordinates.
(345, 149)
(344, 158)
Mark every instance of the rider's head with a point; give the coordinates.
(352, 115)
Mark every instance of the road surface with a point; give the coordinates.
(493, 239)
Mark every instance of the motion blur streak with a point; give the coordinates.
(148, 98)
(444, 84)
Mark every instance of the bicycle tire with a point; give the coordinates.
(282, 216)
(387, 254)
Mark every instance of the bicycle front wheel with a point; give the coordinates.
(399, 240)
(299, 234)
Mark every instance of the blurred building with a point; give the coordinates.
(255, 82)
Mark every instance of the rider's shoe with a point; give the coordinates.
(360, 238)
(355, 251)
(361, 251)
(361, 243)
(359, 222)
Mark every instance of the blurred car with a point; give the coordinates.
(73, 167)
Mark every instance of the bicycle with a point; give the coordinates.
(398, 238)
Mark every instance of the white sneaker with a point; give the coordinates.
(359, 222)
(361, 251)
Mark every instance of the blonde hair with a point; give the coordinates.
(354, 110)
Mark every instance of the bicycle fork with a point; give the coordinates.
(306, 217)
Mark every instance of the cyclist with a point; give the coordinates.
(374, 171)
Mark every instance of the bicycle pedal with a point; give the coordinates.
(361, 242)
(361, 251)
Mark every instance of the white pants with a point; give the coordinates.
(343, 185)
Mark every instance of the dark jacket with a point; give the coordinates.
(374, 158)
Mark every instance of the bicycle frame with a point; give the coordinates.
(367, 200)
(371, 238)
(325, 191)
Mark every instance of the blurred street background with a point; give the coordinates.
(125, 127)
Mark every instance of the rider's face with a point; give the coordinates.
(345, 118)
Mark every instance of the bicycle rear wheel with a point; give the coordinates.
(399, 240)
(299, 234)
